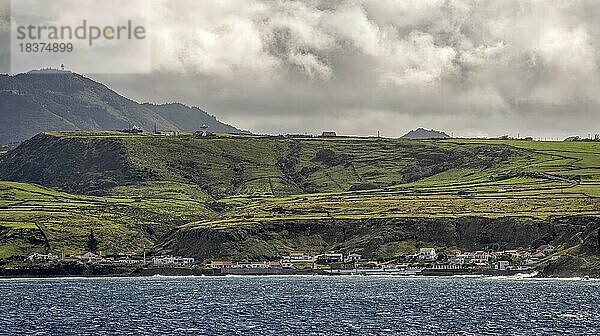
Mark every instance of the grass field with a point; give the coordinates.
(153, 184)
(61, 222)
(548, 179)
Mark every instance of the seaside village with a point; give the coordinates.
(522, 259)
(428, 257)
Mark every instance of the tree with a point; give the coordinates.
(92, 242)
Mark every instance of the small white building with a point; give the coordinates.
(171, 260)
(221, 264)
(354, 257)
(531, 261)
(38, 257)
(129, 261)
(87, 257)
(298, 258)
(286, 264)
(512, 253)
(502, 265)
(427, 253)
(481, 257)
(328, 258)
(252, 264)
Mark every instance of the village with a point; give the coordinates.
(427, 261)
(118, 259)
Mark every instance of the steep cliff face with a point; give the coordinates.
(583, 258)
(378, 238)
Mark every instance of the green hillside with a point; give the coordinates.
(37, 219)
(250, 197)
(94, 162)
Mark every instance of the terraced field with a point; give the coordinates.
(557, 179)
(38, 219)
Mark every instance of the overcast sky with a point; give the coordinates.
(474, 68)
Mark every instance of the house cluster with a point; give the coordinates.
(87, 257)
(227, 264)
(485, 259)
(426, 257)
(295, 260)
(171, 260)
(121, 258)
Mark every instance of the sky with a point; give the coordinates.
(467, 67)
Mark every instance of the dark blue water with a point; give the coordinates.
(299, 306)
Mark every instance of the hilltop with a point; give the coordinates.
(423, 134)
(39, 101)
(247, 197)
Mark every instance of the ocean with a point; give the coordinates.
(299, 305)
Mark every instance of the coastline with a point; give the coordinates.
(91, 271)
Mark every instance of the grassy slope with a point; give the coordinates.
(233, 183)
(549, 179)
(58, 221)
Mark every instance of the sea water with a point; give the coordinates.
(300, 305)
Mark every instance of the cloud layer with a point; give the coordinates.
(470, 67)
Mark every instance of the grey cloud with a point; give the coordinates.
(467, 66)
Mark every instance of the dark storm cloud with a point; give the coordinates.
(472, 67)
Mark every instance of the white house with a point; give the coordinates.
(129, 261)
(286, 263)
(482, 258)
(298, 258)
(221, 264)
(354, 257)
(512, 253)
(330, 257)
(502, 265)
(87, 257)
(531, 261)
(37, 257)
(252, 264)
(170, 260)
(427, 253)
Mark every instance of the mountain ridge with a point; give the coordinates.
(40, 101)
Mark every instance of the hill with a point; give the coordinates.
(423, 134)
(249, 197)
(95, 162)
(183, 117)
(40, 101)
